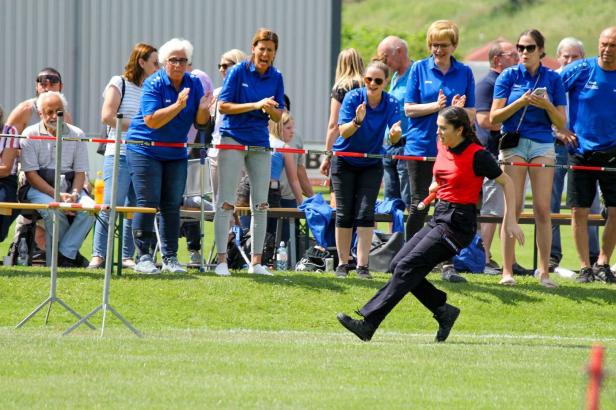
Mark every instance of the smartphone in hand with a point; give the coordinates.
(539, 92)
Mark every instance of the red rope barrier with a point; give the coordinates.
(287, 150)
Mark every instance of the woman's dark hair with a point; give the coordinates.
(537, 37)
(458, 118)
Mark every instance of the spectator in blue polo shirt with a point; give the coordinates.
(529, 98)
(365, 114)
(171, 101)
(252, 94)
(591, 84)
(434, 83)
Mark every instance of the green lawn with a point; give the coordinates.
(273, 342)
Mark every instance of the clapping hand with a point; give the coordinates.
(458, 101)
(267, 104)
(183, 97)
(360, 112)
(441, 101)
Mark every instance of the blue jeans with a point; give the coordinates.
(562, 158)
(125, 197)
(71, 236)
(157, 184)
(396, 176)
(8, 193)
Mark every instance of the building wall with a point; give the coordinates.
(88, 41)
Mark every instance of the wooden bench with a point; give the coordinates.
(293, 215)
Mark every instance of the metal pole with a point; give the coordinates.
(110, 240)
(55, 236)
(202, 153)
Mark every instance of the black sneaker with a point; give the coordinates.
(586, 275)
(342, 271)
(446, 316)
(518, 269)
(363, 272)
(360, 328)
(603, 273)
(450, 274)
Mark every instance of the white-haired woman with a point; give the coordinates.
(171, 101)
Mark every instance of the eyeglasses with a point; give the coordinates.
(530, 48)
(436, 46)
(224, 66)
(377, 81)
(53, 79)
(177, 61)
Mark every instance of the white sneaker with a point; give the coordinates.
(259, 269)
(146, 265)
(222, 269)
(172, 265)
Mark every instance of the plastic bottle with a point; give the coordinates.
(22, 252)
(282, 258)
(99, 188)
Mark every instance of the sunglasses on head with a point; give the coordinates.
(377, 81)
(530, 48)
(53, 79)
(224, 66)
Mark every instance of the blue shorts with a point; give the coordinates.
(528, 149)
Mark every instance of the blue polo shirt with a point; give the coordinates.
(369, 137)
(424, 83)
(515, 81)
(158, 92)
(397, 89)
(592, 104)
(244, 84)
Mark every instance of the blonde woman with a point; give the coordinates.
(349, 75)
(227, 61)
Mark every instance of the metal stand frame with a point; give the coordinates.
(105, 306)
(202, 155)
(55, 239)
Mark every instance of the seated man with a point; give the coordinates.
(38, 163)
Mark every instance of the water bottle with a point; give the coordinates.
(22, 253)
(99, 188)
(282, 258)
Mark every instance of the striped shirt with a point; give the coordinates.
(9, 143)
(129, 107)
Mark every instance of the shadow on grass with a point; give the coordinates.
(510, 342)
(44, 272)
(532, 293)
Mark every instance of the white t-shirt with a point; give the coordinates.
(129, 107)
(213, 152)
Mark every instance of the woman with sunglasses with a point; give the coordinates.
(434, 83)
(171, 101)
(252, 94)
(529, 99)
(227, 61)
(122, 94)
(365, 114)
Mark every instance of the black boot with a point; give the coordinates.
(360, 328)
(446, 316)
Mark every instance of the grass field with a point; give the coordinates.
(261, 342)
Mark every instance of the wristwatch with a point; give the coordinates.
(357, 123)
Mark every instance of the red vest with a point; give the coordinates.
(457, 182)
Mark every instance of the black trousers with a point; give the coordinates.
(451, 229)
(357, 189)
(420, 178)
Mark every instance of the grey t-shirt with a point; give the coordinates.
(37, 154)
